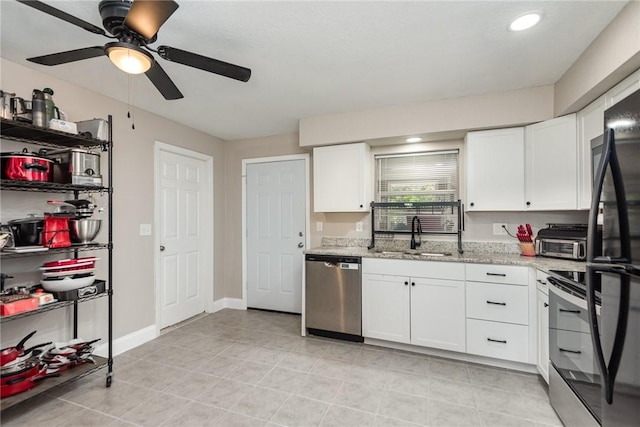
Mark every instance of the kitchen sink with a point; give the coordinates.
(412, 252)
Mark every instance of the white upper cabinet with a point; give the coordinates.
(590, 126)
(495, 170)
(342, 180)
(623, 89)
(530, 168)
(551, 164)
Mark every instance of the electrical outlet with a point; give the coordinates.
(359, 226)
(319, 226)
(498, 229)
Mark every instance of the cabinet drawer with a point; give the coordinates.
(500, 303)
(499, 340)
(572, 351)
(514, 275)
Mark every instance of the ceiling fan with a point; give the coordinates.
(135, 25)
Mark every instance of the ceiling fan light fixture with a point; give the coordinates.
(129, 58)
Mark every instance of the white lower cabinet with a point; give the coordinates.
(386, 308)
(499, 340)
(437, 313)
(410, 309)
(543, 334)
(498, 312)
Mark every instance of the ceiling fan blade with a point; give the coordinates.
(68, 56)
(43, 7)
(163, 83)
(147, 16)
(204, 63)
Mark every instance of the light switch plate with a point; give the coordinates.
(145, 229)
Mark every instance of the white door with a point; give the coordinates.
(184, 232)
(275, 212)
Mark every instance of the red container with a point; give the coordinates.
(26, 166)
(55, 233)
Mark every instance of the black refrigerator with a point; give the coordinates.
(614, 267)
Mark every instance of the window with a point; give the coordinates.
(417, 177)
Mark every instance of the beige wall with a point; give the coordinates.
(235, 152)
(611, 57)
(494, 110)
(133, 196)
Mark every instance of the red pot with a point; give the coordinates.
(26, 166)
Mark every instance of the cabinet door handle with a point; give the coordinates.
(546, 305)
(564, 310)
(413, 283)
(406, 283)
(564, 350)
(496, 303)
(497, 274)
(542, 282)
(161, 248)
(499, 341)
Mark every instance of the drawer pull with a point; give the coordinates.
(497, 274)
(500, 341)
(564, 310)
(564, 350)
(496, 303)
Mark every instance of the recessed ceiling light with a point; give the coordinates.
(414, 139)
(525, 21)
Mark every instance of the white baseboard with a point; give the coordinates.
(127, 342)
(141, 336)
(234, 303)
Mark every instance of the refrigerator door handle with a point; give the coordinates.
(609, 371)
(609, 157)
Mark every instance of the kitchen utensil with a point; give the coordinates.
(64, 272)
(20, 109)
(84, 207)
(70, 263)
(39, 109)
(20, 385)
(27, 231)
(49, 104)
(76, 166)
(67, 283)
(98, 128)
(55, 233)
(5, 104)
(10, 354)
(84, 230)
(25, 166)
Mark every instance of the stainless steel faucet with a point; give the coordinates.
(414, 244)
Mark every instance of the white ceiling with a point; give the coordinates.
(311, 58)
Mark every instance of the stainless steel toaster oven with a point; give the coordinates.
(568, 241)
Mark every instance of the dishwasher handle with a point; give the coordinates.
(342, 265)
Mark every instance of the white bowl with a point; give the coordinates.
(67, 284)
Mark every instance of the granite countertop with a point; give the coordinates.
(483, 257)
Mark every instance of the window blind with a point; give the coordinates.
(417, 177)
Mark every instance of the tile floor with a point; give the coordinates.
(251, 368)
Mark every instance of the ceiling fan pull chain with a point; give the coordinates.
(130, 115)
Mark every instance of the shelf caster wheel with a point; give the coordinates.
(109, 378)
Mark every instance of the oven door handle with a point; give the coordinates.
(609, 370)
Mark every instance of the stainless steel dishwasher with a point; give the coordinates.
(333, 296)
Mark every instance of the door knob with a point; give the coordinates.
(301, 245)
(161, 248)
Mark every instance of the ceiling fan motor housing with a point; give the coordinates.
(113, 13)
